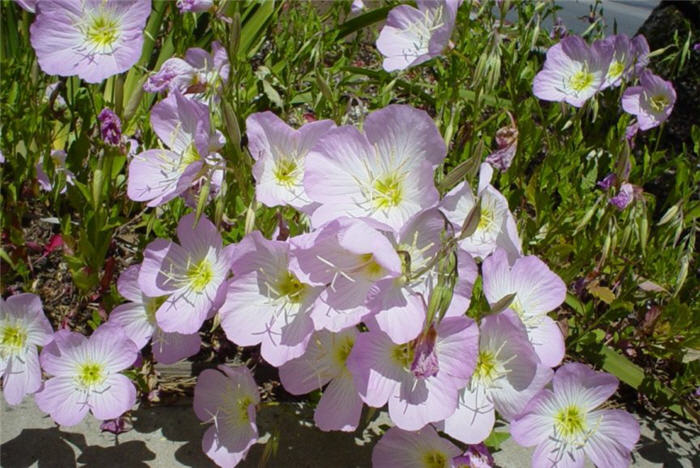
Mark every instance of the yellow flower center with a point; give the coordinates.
(486, 219)
(434, 459)
(189, 156)
(286, 172)
(388, 192)
(570, 421)
(102, 31)
(616, 68)
(200, 275)
(403, 355)
(152, 305)
(581, 80)
(90, 374)
(13, 337)
(486, 367)
(371, 268)
(658, 103)
(291, 288)
(342, 351)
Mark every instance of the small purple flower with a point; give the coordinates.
(652, 102)
(573, 71)
(110, 127)
(116, 426)
(86, 375)
(92, 39)
(696, 47)
(606, 182)
(23, 327)
(414, 35)
(194, 6)
(476, 456)
(559, 30)
(566, 424)
(624, 197)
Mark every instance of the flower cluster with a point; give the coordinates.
(575, 71)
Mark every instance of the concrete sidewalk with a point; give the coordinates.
(171, 436)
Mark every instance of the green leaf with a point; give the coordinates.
(362, 21)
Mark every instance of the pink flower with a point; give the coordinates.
(508, 374)
(324, 362)
(412, 36)
(200, 75)
(138, 319)
(192, 275)
(194, 6)
(384, 372)
(93, 39)
(652, 102)
(86, 375)
(228, 399)
(421, 449)
(385, 173)
(58, 159)
(23, 327)
(347, 256)
(629, 57)
(573, 71)
(280, 153)
(266, 303)
(537, 291)
(624, 196)
(159, 175)
(566, 425)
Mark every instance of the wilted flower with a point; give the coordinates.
(93, 39)
(159, 175)
(606, 182)
(200, 74)
(227, 399)
(194, 6)
(138, 319)
(86, 375)
(652, 102)
(537, 290)
(412, 36)
(566, 425)
(191, 275)
(280, 153)
(58, 157)
(573, 71)
(23, 327)
(110, 127)
(385, 173)
(508, 374)
(476, 456)
(385, 372)
(507, 143)
(624, 196)
(420, 449)
(323, 363)
(266, 303)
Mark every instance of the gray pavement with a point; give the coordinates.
(171, 436)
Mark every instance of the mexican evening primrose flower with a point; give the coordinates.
(537, 291)
(420, 449)
(138, 319)
(414, 35)
(573, 71)
(86, 375)
(266, 303)
(159, 175)
(191, 274)
(227, 397)
(385, 173)
(566, 425)
(340, 406)
(93, 39)
(652, 101)
(280, 153)
(23, 327)
(629, 57)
